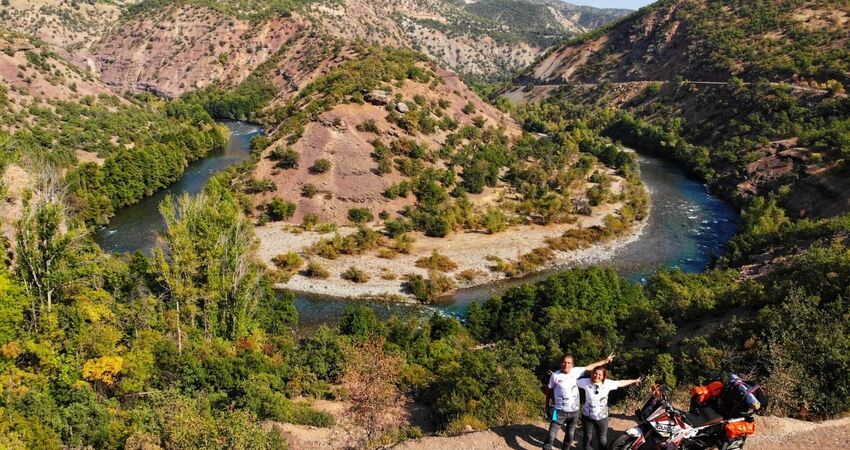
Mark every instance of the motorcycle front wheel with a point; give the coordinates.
(623, 442)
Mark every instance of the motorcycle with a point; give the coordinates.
(664, 427)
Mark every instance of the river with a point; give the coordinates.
(687, 228)
(135, 227)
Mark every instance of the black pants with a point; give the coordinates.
(595, 427)
(567, 420)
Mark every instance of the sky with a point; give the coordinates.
(628, 4)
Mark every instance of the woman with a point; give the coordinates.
(594, 413)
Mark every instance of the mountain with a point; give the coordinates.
(750, 95)
(703, 40)
(59, 120)
(135, 45)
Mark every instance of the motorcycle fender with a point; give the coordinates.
(634, 432)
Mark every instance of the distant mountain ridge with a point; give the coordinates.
(704, 40)
(483, 39)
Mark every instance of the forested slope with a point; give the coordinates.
(113, 151)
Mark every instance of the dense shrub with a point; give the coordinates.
(320, 166)
(355, 275)
(279, 209)
(360, 215)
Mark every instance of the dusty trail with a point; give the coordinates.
(773, 434)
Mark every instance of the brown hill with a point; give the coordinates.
(172, 48)
(69, 27)
(707, 41)
(338, 135)
(178, 49)
(745, 93)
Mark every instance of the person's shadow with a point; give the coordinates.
(522, 437)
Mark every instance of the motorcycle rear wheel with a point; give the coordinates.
(623, 442)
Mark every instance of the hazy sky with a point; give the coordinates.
(629, 4)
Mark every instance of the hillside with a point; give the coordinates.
(750, 95)
(69, 27)
(145, 46)
(389, 141)
(59, 120)
(709, 41)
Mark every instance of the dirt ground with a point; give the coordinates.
(772, 433)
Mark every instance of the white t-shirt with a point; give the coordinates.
(565, 389)
(596, 397)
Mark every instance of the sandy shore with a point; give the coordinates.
(471, 251)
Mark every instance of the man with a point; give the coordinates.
(563, 390)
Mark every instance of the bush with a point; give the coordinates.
(400, 189)
(286, 158)
(320, 166)
(289, 262)
(309, 221)
(494, 220)
(397, 227)
(427, 290)
(436, 262)
(309, 190)
(255, 186)
(469, 108)
(354, 244)
(278, 209)
(316, 270)
(463, 424)
(360, 215)
(355, 275)
(368, 125)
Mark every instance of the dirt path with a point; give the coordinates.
(773, 434)
(795, 87)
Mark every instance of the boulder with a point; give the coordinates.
(378, 97)
(401, 107)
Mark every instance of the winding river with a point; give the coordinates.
(687, 228)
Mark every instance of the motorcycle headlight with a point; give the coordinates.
(634, 432)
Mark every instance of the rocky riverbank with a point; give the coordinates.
(474, 254)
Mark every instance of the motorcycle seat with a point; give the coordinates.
(706, 416)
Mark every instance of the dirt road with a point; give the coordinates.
(772, 434)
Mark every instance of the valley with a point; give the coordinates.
(368, 224)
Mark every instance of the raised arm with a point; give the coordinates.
(624, 383)
(601, 362)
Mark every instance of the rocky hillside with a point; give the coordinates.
(147, 46)
(180, 48)
(750, 95)
(70, 27)
(710, 41)
(59, 120)
(487, 38)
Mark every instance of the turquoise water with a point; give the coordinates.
(687, 228)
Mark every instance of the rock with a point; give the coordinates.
(401, 107)
(336, 123)
(392, 132)
(378, 97)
